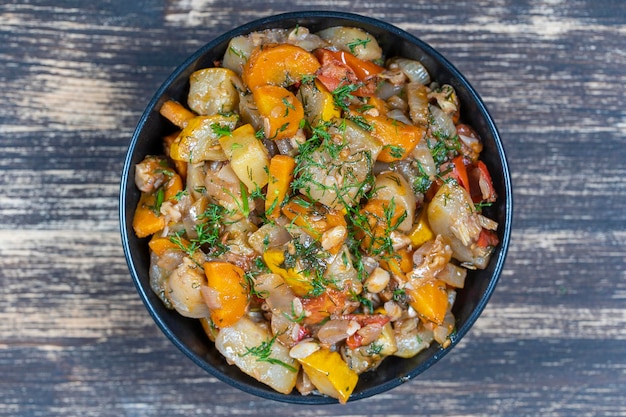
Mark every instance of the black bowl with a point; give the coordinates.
(187, 334)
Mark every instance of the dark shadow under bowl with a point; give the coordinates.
(187, 334)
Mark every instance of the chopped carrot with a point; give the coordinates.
(399, 263)
(398, 139)
(430, 299)
(281, 65)
(228, 282)
(378, 224)
(280, 176)
(176, 113)
(281, 110)
(314, 219)
(159, 245)
(147, 220)
(172, 187)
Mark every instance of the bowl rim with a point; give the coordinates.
(395, 31)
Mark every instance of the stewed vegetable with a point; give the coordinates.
(317, 207)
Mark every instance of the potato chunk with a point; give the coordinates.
(213, 91)
(248, 157)
(246, 344)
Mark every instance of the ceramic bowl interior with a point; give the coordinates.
(187, 334)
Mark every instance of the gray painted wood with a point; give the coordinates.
(76, 340)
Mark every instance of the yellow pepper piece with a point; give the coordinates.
(330, 374)
(421, 232)
(299, 283)
(329, 108)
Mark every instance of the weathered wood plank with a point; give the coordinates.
(74, 336)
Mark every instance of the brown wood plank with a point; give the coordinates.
(75, 338)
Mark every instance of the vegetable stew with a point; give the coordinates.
(317, 207)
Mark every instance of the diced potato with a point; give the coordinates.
(335, 180)
(410, 338)
(330, 374)
(452, 215)
(353, 40)
(368, 357)
(453, 275)
(248, 157)
(213, 91)
(237, 53)
(387, 340)
(245, 343)
(182, 289)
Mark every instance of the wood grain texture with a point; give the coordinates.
(75, 338)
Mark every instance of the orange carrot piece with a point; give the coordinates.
(282, 64)
(380, 223)
(160, 245)
(281, 174)
(228, 282)
(398, 139)
(176, 113)
(146, 222)
(430, 299)
(280, 109)
(399, 263)
(314, 219)
(172, 187)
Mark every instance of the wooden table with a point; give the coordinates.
(75, 338)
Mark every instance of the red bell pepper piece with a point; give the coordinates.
(481, 185)
(341, 68)
(487, 238)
